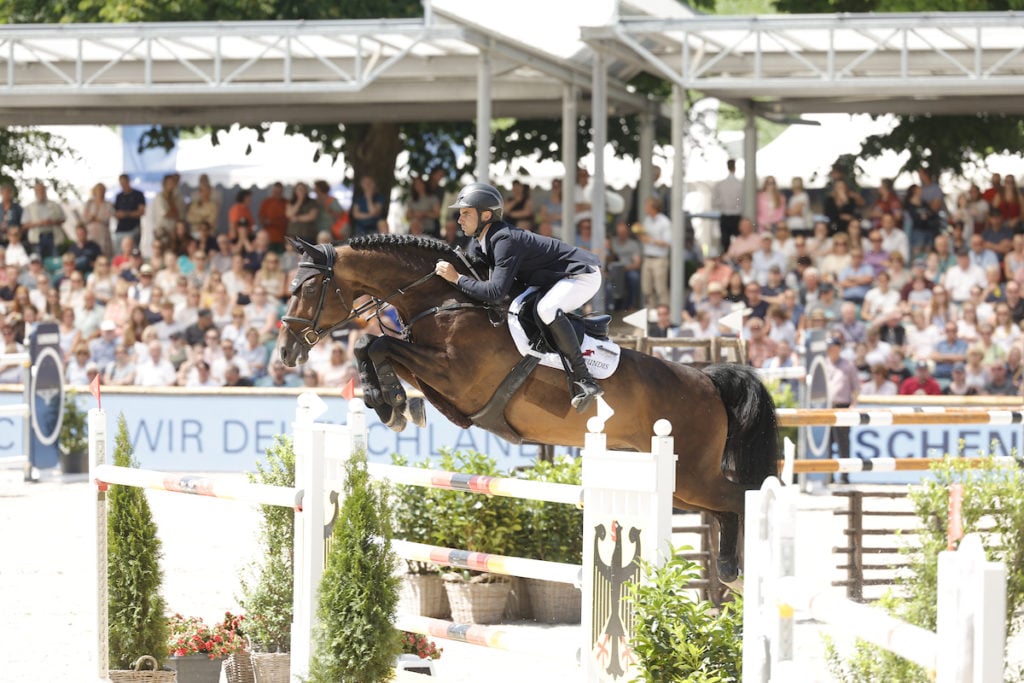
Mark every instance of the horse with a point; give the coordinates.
(458, 352)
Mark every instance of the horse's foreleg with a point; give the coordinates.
(372, 394)
(390, 385)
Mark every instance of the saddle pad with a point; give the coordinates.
(600, 355)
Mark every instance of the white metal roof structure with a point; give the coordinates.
(299, 71)
(772, 66)
(872, 63)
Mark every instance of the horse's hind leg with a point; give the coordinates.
(724, 498)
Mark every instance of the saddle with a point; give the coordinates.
(536, 331)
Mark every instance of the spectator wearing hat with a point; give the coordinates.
(921, 382)
(102, 348)
(715, 305)
(826, 302)
(142, 290)
(843, 389)
(958, 385)
(29, 278)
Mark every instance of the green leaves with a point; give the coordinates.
(137, 625)
(267, 591)
(355, 641)
(993, 506)
(677, 636)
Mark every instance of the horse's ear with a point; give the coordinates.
(297, 243)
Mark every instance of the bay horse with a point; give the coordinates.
(458, 352)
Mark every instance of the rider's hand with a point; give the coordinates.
(447, 271)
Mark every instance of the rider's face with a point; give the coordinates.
(469, 219)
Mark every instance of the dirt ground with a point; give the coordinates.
(47, 596)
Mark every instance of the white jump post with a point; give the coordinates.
(632, 491)
(970, 637)
(98, 456)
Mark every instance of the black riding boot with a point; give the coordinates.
(585, 389)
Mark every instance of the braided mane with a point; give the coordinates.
(382, 242)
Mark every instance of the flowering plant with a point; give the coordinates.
(193, 636)
(419, 645)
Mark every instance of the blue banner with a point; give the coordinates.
(228, 433)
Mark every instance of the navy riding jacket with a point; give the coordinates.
(515, 254)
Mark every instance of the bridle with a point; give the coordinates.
(313, 332)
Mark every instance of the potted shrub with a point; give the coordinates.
(355, 639)
(267, 589)
(413, 518)
(485, 524)
(553, 532)
(136, 624)
(676, 635)
(73, 440)
(197, 650)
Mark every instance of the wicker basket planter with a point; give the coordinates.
(554, 602)
(271, 667)
(138, 674)
(238, 668)
(480, 600)
(423, 594)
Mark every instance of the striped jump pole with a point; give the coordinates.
(196, 485)
(494, 486)
(886, 464)
(849, 417)
(535, 643)
(486, 562)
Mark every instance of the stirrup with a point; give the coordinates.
(587, 391)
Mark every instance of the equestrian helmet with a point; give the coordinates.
(482, 197)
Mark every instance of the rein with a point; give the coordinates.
(314, 333)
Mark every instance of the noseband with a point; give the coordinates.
(313, 332)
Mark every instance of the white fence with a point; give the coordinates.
(967, 646)
(630, 491)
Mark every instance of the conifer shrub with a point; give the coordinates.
(137, 624)
(356, 641)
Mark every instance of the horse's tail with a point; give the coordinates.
(752, 445)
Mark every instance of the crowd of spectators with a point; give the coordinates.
(159, 293)
(920, 294)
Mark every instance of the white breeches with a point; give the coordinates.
(568, 294)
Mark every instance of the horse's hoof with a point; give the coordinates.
(728, 571)
(417, 412)
(736, 585)
(397, 422)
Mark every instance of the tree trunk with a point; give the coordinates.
(373, 151)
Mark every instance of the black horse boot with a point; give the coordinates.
(585, 389)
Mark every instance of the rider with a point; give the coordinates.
(570, 275)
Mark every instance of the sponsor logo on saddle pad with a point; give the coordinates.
(600, 355)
